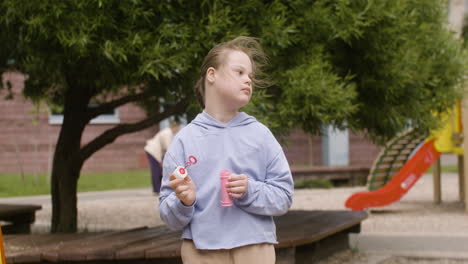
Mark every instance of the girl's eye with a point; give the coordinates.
(240, 72)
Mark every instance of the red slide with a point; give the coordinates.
(400, 184)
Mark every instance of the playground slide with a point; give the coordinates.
(400, 184)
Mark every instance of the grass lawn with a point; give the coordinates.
(13, 185)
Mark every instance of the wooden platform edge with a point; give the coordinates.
(297, 248)
(322, 246)
(353, 226)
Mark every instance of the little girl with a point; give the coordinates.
(221, 138)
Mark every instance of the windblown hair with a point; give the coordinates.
(217, 56)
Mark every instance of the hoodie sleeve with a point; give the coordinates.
(273, 196)
(171, 210)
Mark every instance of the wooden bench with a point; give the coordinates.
(19, 216)
(303, 236)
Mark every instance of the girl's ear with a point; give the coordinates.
(210, 74)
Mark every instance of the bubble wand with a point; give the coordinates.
(181, 171)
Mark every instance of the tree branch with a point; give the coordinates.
(110, 135)
(109, 106)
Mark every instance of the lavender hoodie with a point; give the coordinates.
(243, 145)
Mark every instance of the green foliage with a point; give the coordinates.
(313, 184)
(406, 66)
(369, 65)
(374, 66)
(390, 63)
(12, 185)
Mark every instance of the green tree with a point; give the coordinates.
(369, 65)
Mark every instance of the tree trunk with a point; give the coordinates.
(67, 162)
(64, 190)
(65, 173)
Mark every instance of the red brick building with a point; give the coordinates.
(303, 149)
(28, 136)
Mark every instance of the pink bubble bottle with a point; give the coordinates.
(226, 200)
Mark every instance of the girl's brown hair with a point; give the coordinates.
(215, 56)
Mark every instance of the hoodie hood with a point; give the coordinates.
(206, 121)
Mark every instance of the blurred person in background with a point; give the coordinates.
(156, 148)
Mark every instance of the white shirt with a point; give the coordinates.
(158, 145)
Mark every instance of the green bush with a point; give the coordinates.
(313, 184)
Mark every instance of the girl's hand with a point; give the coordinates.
(184, 189)
(238, 185)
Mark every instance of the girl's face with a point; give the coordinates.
(233, 79)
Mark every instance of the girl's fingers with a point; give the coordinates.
(237, 180)
(236, 195)
(240, 189)
(237, 184)
(187, 179)
(237, 177)
(174, 182)
(183, 194)
(181, 188)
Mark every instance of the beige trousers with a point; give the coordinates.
(250, 254)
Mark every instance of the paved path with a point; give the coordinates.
(129, 194)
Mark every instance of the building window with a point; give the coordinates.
(111, 117)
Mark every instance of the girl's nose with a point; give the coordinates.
(248, 81)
